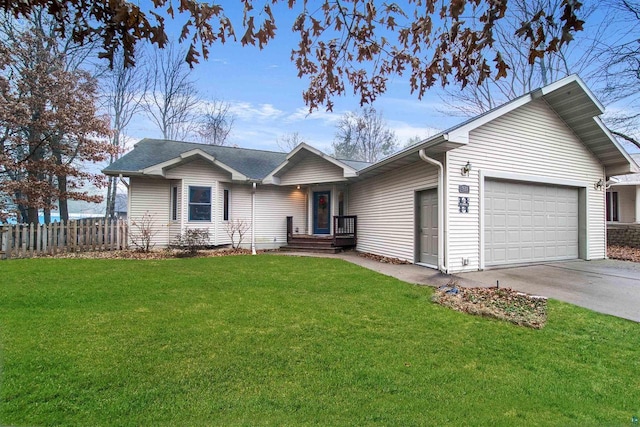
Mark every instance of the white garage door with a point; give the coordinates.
(527, 222)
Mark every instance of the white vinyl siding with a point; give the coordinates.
(200, 173)
(386, 209)
(626, 202)
(152, 197)
(529, 141)
(273, 205)
(312, 169)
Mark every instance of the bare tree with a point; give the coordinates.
(289, 141)
(621, 69)
(237, 227)
(123, 89)
(363, 136)
(526, 71)
(341, 46)
(216, 123)
(171, 97)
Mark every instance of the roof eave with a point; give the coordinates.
(272, 178)
(160, 169)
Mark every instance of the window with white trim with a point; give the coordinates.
(613, 206)
(199, 203)
(174, 203)
(225, 205)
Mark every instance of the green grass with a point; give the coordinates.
(270, 340)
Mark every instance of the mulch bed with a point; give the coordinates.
(384, 259)
(503, 303)
(153, 254)
(625, 253)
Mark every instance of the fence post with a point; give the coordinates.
(4, 238)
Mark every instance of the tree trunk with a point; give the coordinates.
(47, 216)
(108, 213)
(32, 215)
(62, 199)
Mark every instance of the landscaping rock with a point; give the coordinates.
(625, 253)
(503, 303)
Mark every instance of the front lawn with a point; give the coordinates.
(273, 340)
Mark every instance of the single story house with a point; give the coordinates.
(522, 183)
(623, 197)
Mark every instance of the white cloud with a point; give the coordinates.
(302, 114)
(251, 112)
(405, 131)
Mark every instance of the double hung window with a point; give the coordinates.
(199, 203)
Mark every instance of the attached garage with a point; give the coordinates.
(529, 222)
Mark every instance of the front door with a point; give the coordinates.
(428, 226)
(321, 212)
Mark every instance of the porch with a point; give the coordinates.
(345, 235)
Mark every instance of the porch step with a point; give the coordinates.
(310, 248)
(317, 244)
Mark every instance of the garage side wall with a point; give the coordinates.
(531, 141)
(385, 206)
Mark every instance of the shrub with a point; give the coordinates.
(141, 232)
(192, 240)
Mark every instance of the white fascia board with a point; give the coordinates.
(626, 183)
(271, 180)
(159, 169)
(570, 79)
(461, 134)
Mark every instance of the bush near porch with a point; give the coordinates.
(271, 340)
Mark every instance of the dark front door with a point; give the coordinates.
(321, 212)
(428, 227)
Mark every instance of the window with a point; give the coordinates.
(199, 203)
(612, 206)
(225, 206)
(174, 203)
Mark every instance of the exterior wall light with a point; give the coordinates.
(599, 185)
(466, 169)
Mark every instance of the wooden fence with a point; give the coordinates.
(91, 234)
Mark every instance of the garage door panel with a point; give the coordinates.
(527, 222)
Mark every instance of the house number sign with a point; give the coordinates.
(463, 204)
(463, 189)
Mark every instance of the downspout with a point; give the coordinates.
(442, 266)
(253, 219)
(125, 183)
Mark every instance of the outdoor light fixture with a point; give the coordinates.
(298, 187)
(599, 185)
(466, 169)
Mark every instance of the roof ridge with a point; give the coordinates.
(211, 145)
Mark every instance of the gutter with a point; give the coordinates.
(442, 266)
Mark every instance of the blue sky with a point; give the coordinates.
(265, 95)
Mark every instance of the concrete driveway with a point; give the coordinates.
(607, 286)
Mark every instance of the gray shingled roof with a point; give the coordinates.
(255, 164)
(356, 164)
